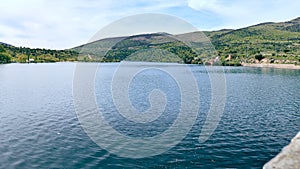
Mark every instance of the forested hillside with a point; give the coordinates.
(263, 43)
(9, 53)
(267, 42)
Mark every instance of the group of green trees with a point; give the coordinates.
(10, 54)
(271, 41)
(4, 56)
(148, 47)
(165, 52)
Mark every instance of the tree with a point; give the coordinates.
(2, 49)
(21, 58)
(5, 57)
(259, 57)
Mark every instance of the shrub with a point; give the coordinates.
(259, 57)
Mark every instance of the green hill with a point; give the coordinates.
(10, 53)
(263, 43)
(273, 42)
(158, 47)
(267, 42)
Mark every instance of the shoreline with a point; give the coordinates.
(257, 65)
(268, 65)
(288, 158)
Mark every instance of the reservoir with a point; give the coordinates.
(39, 127)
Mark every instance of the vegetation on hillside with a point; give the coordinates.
(4, 56)
(10, 54)
(263, 43)
(157, 47)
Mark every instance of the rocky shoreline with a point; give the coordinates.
(272, 65)
(288, 158)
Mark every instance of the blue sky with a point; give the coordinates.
(60, 24)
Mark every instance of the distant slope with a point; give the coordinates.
(143, 46)
(10, 53)
(4, 44)
(265, 42)
(273, 42)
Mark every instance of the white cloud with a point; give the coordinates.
(50, 24)
(237, 13)
(63, 24)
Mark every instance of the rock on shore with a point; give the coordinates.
(288, 158)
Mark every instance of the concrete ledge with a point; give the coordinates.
(288, 158)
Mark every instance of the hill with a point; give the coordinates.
(263, 43)
(266, 42)
(158, 47)
(10, 53)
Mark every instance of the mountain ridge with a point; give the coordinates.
(269, 40)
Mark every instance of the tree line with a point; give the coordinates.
(10, 54)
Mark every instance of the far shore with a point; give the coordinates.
(270, 65)
(259, 65)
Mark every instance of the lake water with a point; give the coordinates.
(39, 127)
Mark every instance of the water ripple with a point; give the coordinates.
(39, 127)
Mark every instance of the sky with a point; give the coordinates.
(63, 24)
